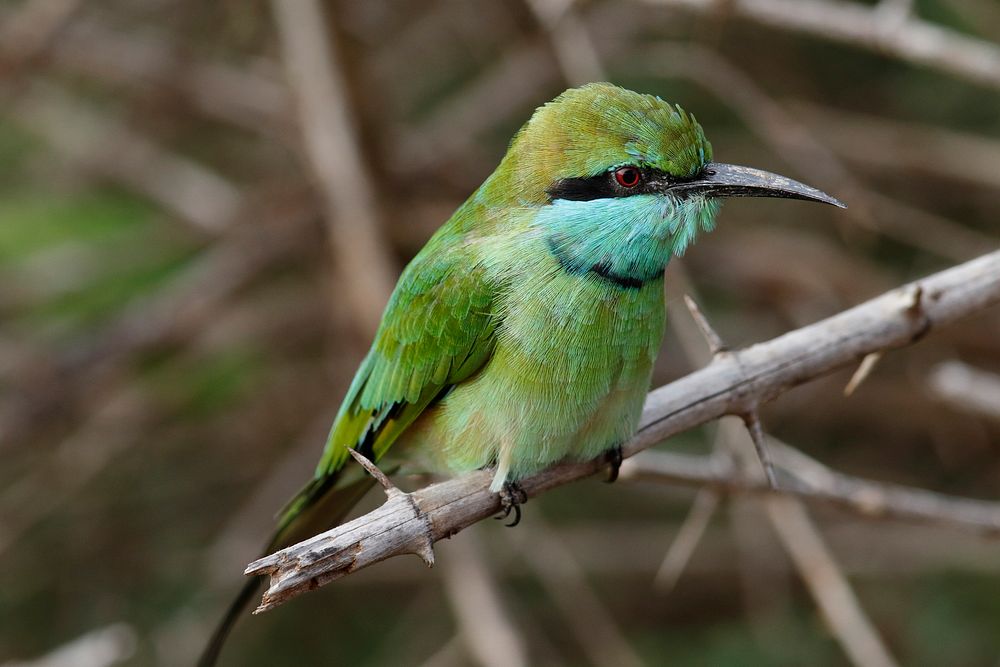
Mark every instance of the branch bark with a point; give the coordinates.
(820, 486)
(734, 383)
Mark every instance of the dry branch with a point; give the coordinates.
(247, 97)
(336, 158)
(821, 486)
(895, 34)
(486, 627)
(110, 645)
(797, 533)
(966, 388)
(102, 145)
(596, 627)
(733, 383)
(828, 584)
(30, 30)
(274, 231)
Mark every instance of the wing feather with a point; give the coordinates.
(438, 329)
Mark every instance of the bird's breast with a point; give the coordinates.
(567, 378)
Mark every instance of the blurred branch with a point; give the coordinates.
(336, 158)
(798, 534)
(895, 34)
(484, 626)
(104, 146)
(451, 654)
(121, 416)
(932, 233)
(114, 423)
(827, 583)
(28, 32)
(98, 648)
(966, 388)
(678, 555)
(866, 498)
(595, 627)
(799, 145)
(44, 385)
(883, 143)
(734, 383)
(520, 75)
(576, 53)
(247, 96)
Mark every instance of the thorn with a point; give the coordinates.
(865, 368)
(752, 421)
(372, 469)
(715, 344)
(426, 553)
(913, 307)
(915, 298)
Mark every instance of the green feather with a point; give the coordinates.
(525, 330)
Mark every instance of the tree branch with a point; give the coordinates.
(895, 34)
(734, 383)
(822, 486)
(336, 158)
(827, 583)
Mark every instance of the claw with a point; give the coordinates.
(615, 460)
(512, 496)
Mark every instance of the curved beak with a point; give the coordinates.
(730, 180)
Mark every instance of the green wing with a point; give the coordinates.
(437, 330)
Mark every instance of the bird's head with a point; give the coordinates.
(622, 181)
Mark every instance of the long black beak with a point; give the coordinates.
(730, 180)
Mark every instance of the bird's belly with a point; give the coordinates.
(568, 379)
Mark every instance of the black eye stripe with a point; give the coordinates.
(585, 189)
(604, 186)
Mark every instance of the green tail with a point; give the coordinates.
(320, 505)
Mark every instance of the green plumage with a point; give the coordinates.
(489, 351)
(526, 329)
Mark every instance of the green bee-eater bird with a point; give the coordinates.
(526, 329)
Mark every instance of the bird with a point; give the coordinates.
(525, 331)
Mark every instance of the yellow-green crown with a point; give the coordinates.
(599, 126)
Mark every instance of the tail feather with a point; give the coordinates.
(210, 655)
(319, 506)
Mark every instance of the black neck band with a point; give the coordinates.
(601, 270)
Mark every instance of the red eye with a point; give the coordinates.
(627, 177)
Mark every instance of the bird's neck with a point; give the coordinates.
(626, 241)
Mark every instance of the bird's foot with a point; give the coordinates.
(614, 457)
(512, 496)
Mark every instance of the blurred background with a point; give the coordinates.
(203, 207)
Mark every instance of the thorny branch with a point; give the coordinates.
(734, 383)
(796, 531)
(819, 485)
